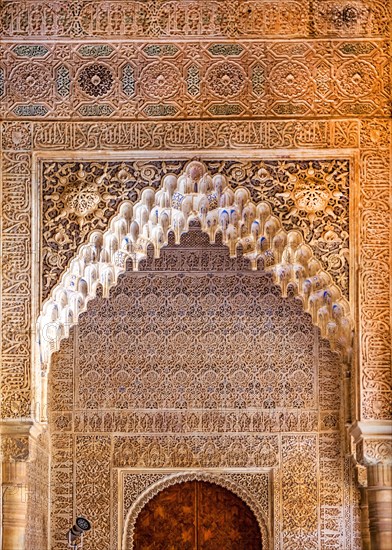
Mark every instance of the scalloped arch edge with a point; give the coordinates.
(194, 195)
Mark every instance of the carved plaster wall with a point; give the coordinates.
(78, 82)
(224, 210)
(196, 361)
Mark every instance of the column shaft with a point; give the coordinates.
(364, 507)
(380, 505)
(14, 510)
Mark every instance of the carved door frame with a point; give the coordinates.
(233, 479)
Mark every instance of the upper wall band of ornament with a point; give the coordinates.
(193, 135)
(369, 138)
(232, 18)
(195, 80)
(195, 195)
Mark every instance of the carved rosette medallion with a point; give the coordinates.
(290, 79)
(356, 78)
(95, 80)
(31, 81)
(226, 79)
(160, 80)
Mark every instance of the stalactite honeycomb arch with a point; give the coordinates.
(195, 196)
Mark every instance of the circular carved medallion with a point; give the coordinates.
(290, 79)
(311, 195)
(356, 78)
(160, 80)
(225, 79)
(31, 81)
(95, 80)
(82, 199)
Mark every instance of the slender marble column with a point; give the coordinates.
(14, 509)
(379, 491)
(364, 507)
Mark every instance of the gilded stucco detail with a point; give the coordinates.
(343, 43)
(288, 18)
(373, 140)
(375, 253)
(196, 195)
(16, 278)
(200, 407)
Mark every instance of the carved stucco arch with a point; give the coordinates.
(194, 195)
(173, 479)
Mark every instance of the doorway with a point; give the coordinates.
(196, 515)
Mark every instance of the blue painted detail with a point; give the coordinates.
(128, 80)
(63, 81)
(95, 50)
(160, 110)
(95, 110)
(30, 110)
(193, 80)
(27, 50)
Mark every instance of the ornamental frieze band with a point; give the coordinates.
(195, 80)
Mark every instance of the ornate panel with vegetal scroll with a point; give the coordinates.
(85, 63)
(149, 19)
(156, 378)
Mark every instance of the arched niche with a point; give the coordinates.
(194, 196)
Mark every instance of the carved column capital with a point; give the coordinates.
(16, 440)
(371, 442)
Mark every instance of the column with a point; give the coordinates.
(364, 507)
(14, 509)
(379, 492)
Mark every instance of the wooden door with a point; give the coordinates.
(196, 515)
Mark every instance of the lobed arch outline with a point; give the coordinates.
(193, 196)
(182, 477)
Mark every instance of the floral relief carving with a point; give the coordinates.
(30, 80)
(195, 195)
(95, 80)
(221, 406)
(160, 80)
(319, 81)
(145, 19)
(143, 81)
(14, 448)
(225, 79)
(290, 79)
(356, 78)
